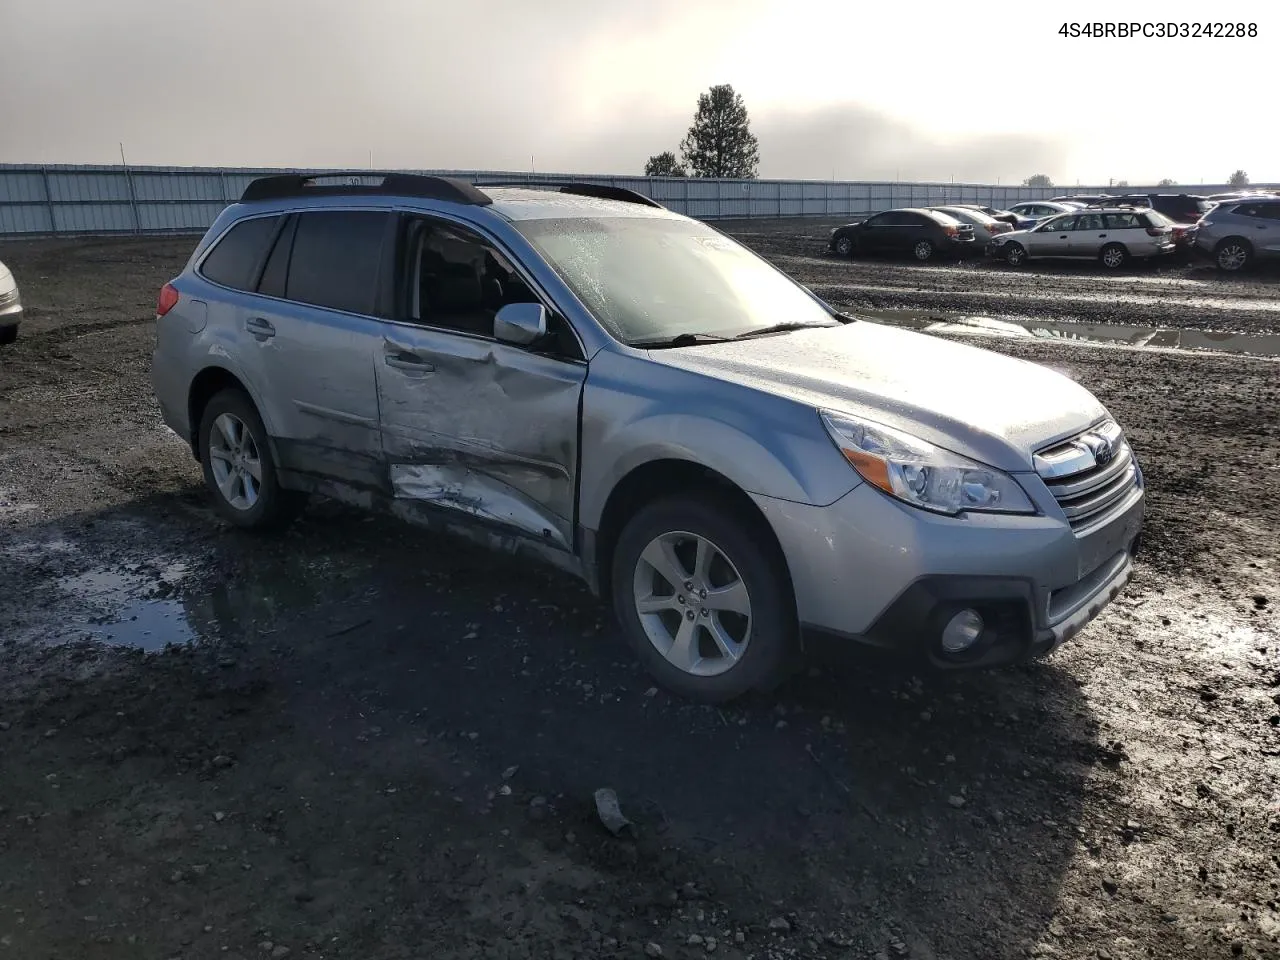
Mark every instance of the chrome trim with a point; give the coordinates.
(1092, 479)
(1090, 475)
(1092, 448)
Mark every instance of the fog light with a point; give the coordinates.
(962, 631)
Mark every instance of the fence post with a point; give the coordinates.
(133, 199)
(48, 198)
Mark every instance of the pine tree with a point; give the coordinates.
(720, 142)
(664, 164)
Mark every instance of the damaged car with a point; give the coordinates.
(577, 374)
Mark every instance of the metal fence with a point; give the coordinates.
(75, 199)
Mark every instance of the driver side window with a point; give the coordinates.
(453, 278)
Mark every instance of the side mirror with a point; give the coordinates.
(520, 323)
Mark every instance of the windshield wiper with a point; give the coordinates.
(679, 340)
(783, 328)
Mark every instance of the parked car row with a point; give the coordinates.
(1233, 230)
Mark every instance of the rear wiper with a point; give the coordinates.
(679, 340)
(782, 328)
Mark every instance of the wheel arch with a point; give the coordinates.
(667, 477)
(207, 384)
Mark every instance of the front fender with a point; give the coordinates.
(636, 412)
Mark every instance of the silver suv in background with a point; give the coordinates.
(1110, 236)
(10, 307)
(1237, 232)
(588, 378)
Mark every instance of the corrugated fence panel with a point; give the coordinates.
(59, 198)
(177, 216)
(22, 187)
(100, 185)
(93, 218)
(25, 218)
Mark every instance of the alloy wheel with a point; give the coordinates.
(236, 463)
(692, 603)
(1233, 256)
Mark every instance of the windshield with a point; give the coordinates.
(655, 279)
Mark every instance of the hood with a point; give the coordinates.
(980, 404)
(1012, 235)
(6, 279)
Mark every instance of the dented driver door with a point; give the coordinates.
(486, 429)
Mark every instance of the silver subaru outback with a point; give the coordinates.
(580, 375)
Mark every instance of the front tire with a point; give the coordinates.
(1015, 254)
(1232, 255)
(845, 247)
(1113, 256)
(922, 250)
(238, 467)
(704, 602)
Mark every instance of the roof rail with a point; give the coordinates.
(396, 184)
(600, 191)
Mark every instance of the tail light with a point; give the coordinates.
(1157, 231)
(167, 300)
(951, 231)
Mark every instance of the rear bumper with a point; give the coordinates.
(10, 320)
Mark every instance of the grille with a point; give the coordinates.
(1093, 476)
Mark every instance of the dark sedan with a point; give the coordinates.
(920, 234)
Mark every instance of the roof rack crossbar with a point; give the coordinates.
(600, 191)
(286, 185)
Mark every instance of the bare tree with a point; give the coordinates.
(1038, 180)
(1238, 179)
(1166, 182)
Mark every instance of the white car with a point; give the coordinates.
(10, 306)
(1030, 212)
(1109, 235)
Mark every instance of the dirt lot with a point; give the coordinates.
(367, 743)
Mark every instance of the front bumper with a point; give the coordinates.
(875, 571)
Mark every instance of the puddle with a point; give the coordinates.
(148, 625)
(1253, 344)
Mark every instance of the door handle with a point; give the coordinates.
(401, 356)
(260, 327)
(410, 364)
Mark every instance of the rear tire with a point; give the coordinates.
(1015, 254)
(1232, 254)
(238, 467)
(1113, 256)
(704, 602)
(923, 250)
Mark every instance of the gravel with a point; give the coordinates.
(102, 519)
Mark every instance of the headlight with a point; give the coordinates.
(8, 297)
(921, 474)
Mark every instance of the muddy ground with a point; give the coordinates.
(365, 742)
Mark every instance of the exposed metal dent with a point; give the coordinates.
(327, 413)
(473, 452)
(456, 486)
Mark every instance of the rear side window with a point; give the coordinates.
(236, 258)
(1262, 210)
(1122, 221)
(336, 259)
(1155, 218)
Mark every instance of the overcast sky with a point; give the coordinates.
(918, 90)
